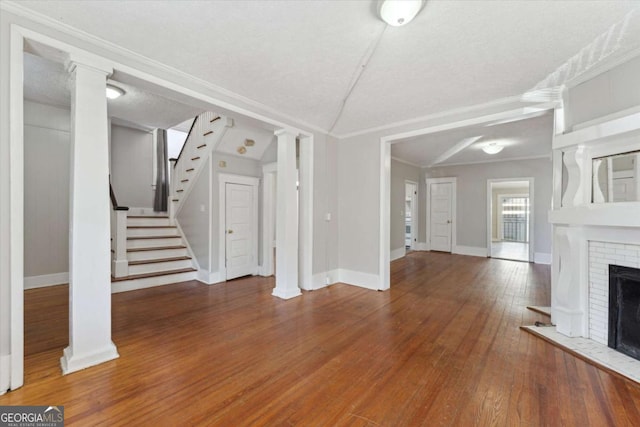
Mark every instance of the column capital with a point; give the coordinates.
(89, 61)
(286, 132)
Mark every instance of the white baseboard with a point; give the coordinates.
(135, 211)
(398, 253)
(286, 294)
(33, 282)
(469, 250)
(208, 278)
(324, 279)
(420, 246)
(348, 277)
(261, 271)
(72, 362)
(5, 373)
(542, 258)
(357, 278)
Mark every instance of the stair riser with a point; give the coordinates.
(147, 255)
(146, 232)
(159, 266)
(149, 282)
(151, 243)
(158, 222)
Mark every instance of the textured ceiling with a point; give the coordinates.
(48, 82)
(527, 138)
(236, 136)
(301, 57)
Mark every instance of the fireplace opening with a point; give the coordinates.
(624, 310)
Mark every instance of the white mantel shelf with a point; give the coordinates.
(622, 214)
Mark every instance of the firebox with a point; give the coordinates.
(624, 310)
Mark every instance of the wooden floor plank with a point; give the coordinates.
(441, 347)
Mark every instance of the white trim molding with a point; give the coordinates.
(469, 251)
(223, 180)
(398, 253)
(359, 279)
(208, 278)
(542, 258)
(45, 280)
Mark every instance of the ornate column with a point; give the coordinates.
(89, 247)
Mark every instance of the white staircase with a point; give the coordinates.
(156, 255)
(205, 135)
(149, 250)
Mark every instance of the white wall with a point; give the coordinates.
(194, 218)
(605, 94)
(400, 172)
(472, 198)
(46, 190)
(132, 166)
(199, 217)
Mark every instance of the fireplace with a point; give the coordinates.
(624, 310)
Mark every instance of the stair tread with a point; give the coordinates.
(156, 248)
(151, 226)
(153, 237)
(158, 260)
(155, 274)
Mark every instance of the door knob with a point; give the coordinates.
(230, 231)
(448, 221)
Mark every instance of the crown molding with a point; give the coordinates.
(442, 114)
(480, 162)
(398, 159)
(179, 77)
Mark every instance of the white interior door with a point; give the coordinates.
(240, 233)
(440, 216)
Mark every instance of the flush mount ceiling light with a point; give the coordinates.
(492, 148)
(399, 12)
(114, 92)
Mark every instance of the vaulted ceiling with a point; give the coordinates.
(300, 58)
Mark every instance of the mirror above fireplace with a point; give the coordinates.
(616, 178)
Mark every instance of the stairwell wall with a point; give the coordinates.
(132, 166)
(199, 216)
(46, 194)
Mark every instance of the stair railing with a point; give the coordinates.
(119, 263)
(206, 132)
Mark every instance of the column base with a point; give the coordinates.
(286, 293)
(71, 362)
(568, 322)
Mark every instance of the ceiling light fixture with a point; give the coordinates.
(114, 92)
(399, 12)
(492, 148)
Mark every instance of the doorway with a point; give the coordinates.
(441, 214)
(238, 225)
(509, 219)
(410, 215)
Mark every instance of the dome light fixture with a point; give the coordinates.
(399, 12)
(114, 92)
(492, 148)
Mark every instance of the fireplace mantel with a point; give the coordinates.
(577, 221)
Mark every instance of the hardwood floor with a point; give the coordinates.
(442, 347)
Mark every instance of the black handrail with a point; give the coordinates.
(185, 141)
(114, 201)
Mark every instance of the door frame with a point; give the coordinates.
(454, 230)
(269, 174)
(223, 180)
(531, 212)
(414, 214)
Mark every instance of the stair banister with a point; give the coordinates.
(119, 263)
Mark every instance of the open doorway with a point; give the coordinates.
(510, 222)
(410, 215)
